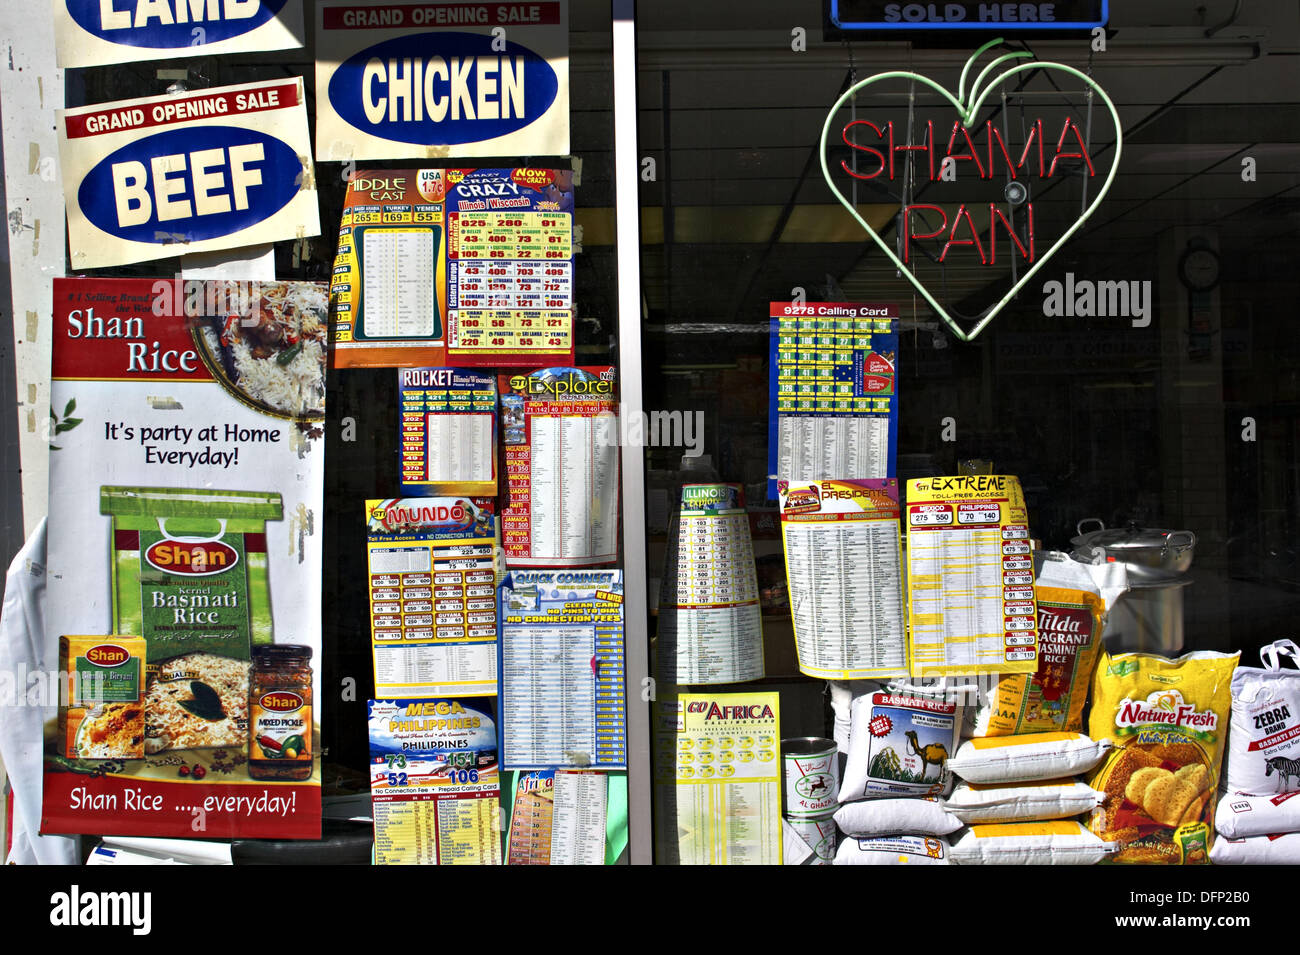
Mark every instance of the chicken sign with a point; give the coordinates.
(437, 80)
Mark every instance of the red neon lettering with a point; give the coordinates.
(928, 148)
(973, 240)
(880, 157)
(995, 214)
(1035, 133)
(970, 146)
(909, 235)
(1082, 154)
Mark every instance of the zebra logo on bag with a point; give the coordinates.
(1283, 767)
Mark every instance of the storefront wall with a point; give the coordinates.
(1179, 415)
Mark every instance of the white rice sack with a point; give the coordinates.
(842, 695)
(1022, 802)
(894, 850)
(899, 744)
(1239, 817)
(1030, 756)
(1257, 850)
(1030, 843)
(885, 817)
(1264, 744)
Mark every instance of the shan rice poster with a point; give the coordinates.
(184, 564)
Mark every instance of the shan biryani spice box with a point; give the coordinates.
(103, 717)
(1168, 720)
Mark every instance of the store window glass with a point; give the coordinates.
(1138, 383)
(363, 425)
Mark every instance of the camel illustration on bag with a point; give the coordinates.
(935, 753)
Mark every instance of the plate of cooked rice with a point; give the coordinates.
(267, 346)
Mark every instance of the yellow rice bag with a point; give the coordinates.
(1050, 700)
(1168, 719)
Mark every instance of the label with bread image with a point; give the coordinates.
(1168, 719)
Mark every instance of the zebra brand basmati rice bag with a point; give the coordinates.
(1026, 757)
(888, 817)
(1072, 602)
(1022, 802)
(1239, 817)
(1264, 745)
(1059, 842)
(1279, 849)
(1168, 719)
(894, 850)
(899, 743)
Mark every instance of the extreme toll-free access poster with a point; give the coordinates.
(184, 561)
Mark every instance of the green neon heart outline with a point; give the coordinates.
(967, 110)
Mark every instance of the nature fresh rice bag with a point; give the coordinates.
(1168, 719)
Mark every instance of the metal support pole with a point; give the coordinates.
(636, 611)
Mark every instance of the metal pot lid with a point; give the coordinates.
(1133, 537)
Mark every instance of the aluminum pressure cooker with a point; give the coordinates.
(1149, 617)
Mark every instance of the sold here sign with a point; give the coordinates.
(433, 80)
(169, 175)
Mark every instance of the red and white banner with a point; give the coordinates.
(100, 32)
(196, 172)
(186, 493)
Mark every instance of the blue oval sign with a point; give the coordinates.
(442, 89)
(171, 24)
(188, 185)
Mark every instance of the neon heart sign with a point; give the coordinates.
(1070, 145)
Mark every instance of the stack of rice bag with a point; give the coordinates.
(898, 742)
(1020, 796)
(1258, 818)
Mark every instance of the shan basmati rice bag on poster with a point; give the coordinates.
(1022, 802)
(899, 744)
(1059, 842)
(894, 850)
(1029, 756)
(1264, 745)
(1168, 719)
